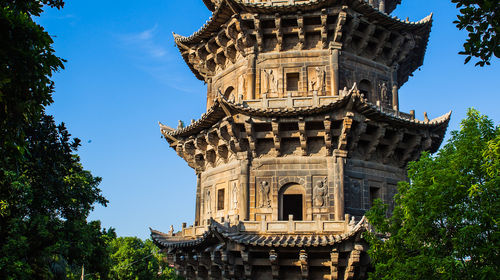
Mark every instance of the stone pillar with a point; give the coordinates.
(334, 72)
(395, 97)
(340, 160)
(251, 76)
(244, 177)
(330, 165)
(210, 95)
(198, 199)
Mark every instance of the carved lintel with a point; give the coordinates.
(396, 44)
(353, 262)
(346, 129)
(302, 35)
(407, 47)
(303, 136)
(279, 31)
(273, 258)
(375, 140)
(304, 266)
(334, 267)
(381, 43)
(328, 135)
(410, 149)
(258, 32)
(339, 26)
(366, 37)
(250, 136)
(358, 131)
(246, 264)
(351, 27)
(324, 29)
(276, 136)
(393, 145)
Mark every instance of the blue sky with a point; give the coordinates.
(124, 74)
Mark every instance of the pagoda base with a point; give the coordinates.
(232, 252)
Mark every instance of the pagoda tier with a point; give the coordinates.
(251, 50)
(355, 150)
(260, 250)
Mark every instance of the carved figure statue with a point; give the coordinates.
(320, 79)
(270, 82)
(208, 202)
(383, 93)
(273, 81)
(264, 194)
(235, 195)
(320, 193)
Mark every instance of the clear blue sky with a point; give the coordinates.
(124, 74)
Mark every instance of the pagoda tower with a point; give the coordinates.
(302, 132)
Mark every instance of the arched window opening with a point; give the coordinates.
(365, 88)
(292, 202)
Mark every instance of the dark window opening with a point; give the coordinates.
(374, 194)
(292, 81)
(220, 199)
(292, 205)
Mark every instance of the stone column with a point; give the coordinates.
(210, 95)
(251, 76)
(332, 201)
(244, 204)
(395, 97)
(340, 160)
(334, 72)
(198, 199)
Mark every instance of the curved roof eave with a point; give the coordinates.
(224, 12)
(216, 113)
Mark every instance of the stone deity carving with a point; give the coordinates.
(235, 195)
(270, 81)
(320, 79)
(264, 194)
(208, 202)
(320, 193)
(384, 95)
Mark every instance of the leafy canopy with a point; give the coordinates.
(445, 224)
(45, 194)
(481, 19)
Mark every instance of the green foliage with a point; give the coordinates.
(133, 258)
(45, 194)
(481, 19)
(445, 224)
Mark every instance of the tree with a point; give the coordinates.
(133, 258)
(45, 194)
(445, 224)
(481, 19)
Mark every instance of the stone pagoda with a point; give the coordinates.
(302, 132)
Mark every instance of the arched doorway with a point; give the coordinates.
(292, 202)
(229, 93)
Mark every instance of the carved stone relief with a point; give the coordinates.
(264, 192)
(234, 193)
(316, 77)
(320, 192)
(385, 94)
(208, 201)
(269, 81)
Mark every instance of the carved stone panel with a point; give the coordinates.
(353, 193)
(263, 193)
(320, 192)
(269, 82)
(316, 76)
